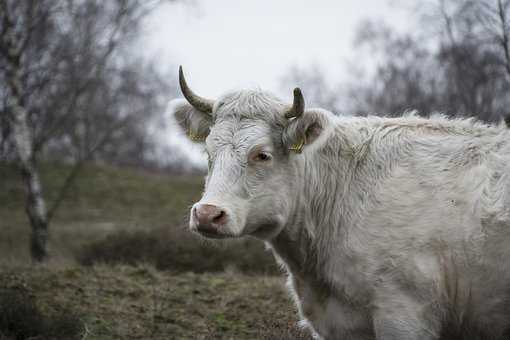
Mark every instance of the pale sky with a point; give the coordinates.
(227, 44)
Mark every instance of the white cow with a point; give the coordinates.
(389, 228)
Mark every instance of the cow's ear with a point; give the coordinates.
(306, 130)
(195, 124)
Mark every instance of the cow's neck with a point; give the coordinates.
(335, 188)
(316, 217)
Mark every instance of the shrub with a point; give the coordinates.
(20, 319)
(19, 316)
(178, 252)
(121, 247)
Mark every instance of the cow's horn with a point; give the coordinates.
(199, 103)
(298, 106)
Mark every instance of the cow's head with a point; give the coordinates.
(253, 141)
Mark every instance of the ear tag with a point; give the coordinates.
(195, 137)
(298, 147)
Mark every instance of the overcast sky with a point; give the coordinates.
(227, 44)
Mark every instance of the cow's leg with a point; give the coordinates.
(399, 317)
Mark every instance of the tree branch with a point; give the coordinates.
(78, 165)
(504, 34)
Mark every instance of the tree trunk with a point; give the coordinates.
(11, 46)
(36, 212)
(34, 205)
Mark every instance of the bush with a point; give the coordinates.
(121, 247)
(178, 252)
(21, 319)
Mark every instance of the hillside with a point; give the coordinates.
(102, 200)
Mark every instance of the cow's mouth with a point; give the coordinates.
(213, 235)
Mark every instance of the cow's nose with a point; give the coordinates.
(209, 216)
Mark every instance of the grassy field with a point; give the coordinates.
(102, 201)
(125, 267)
(139, 302)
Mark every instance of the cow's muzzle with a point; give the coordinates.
(208, 220)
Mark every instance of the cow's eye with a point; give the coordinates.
(262, 157)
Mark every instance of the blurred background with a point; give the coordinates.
(96, 180)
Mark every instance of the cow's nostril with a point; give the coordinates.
(208, 214)
(220, 218)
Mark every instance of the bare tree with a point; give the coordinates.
(486, 20)
(503, 38)
(73, 90)
(457, 62)
(13, 41)
(401, 80)
(473, 58)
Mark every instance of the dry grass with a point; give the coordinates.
(127, 302)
